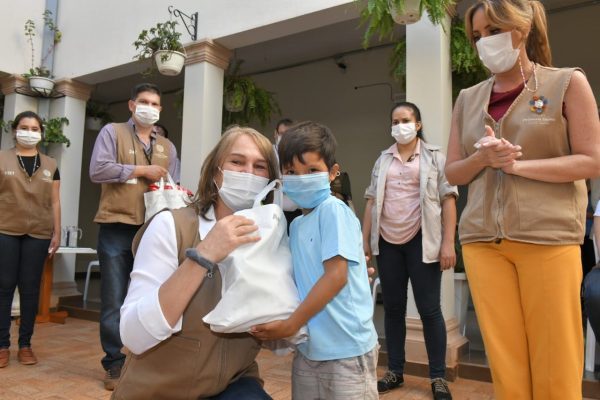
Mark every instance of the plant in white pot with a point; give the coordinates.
(161, 44)
(96, 115)
(40, 79)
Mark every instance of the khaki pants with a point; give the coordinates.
(353, 378)
(528, 306)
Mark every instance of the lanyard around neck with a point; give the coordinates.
(147, 155)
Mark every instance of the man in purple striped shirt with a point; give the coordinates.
(127, 157)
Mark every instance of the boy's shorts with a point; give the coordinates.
(344, 379)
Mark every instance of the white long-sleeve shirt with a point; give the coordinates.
(143, 324)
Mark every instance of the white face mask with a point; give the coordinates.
(497, 53)
(146, 115)
(404, 133)
(240, 188)
(28, 139)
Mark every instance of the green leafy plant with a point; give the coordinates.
(244, 101)
(95, 109)
(378, 18)
(53, 131)
(161, 37)
(30, 34)
(467, 69)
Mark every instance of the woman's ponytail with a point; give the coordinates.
(538, 46)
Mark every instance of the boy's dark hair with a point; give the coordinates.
(144, 87)
(305, 137)
(416, 113)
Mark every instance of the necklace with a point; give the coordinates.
(35, 165)
(525, 80)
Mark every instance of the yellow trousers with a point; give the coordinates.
(527, 302)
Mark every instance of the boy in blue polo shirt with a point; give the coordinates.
(339, 359)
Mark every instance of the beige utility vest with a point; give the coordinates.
(124, 202)
(507, 206)
(26, 204)
(196, 362)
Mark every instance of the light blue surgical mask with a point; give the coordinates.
(307, 191)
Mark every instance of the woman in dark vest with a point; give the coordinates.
(523, 141)
(175, 282)
(29, 229)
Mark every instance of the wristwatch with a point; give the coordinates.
(193, 255)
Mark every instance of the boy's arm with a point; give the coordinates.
(326, 288)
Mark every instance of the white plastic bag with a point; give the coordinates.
(257, 278)
(167, 195)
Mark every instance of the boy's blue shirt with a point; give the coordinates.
(344, 328)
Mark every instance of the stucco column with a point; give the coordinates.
(429, 86)
(69, 159)
(202, 106)
(14, 103)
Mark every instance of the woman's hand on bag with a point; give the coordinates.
(227, 235)
(274, 330)
(496, 153)
(447, 255)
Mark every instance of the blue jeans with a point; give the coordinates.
(116, 263)
(243, 389)
(397, 263)
(21, 264)
(591, 299)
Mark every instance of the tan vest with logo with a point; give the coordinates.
(124, 202)
(26, 206)
(502, 205)
(195, 362)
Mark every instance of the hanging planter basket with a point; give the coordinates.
(410, 14)
(93, 123)
(41, 85)
(169, 62)
(235, 101)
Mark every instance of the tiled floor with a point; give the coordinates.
(69, 369)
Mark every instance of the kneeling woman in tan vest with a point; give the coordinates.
(29, 229)
(524, 140)
(175, 283)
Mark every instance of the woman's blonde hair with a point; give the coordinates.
(207, 193)
(522, 15)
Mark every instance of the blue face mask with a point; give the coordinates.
(307, 191)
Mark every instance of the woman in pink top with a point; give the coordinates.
(409, 224)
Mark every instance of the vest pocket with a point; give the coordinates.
(543, 209)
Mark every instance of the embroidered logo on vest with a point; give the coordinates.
(160, 148)
(538, 104)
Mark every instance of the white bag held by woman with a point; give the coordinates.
(257, 278)
(161, 196)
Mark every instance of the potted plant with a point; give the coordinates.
(467, 69)
(40, 78)
(244, 101)
(96, 115)
(161, 44)
(53, 131)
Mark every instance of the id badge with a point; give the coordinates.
(132, 181)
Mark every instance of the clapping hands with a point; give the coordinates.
(498, 153)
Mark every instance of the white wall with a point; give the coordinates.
(15, 50)
(99, 34)
(359, 119)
